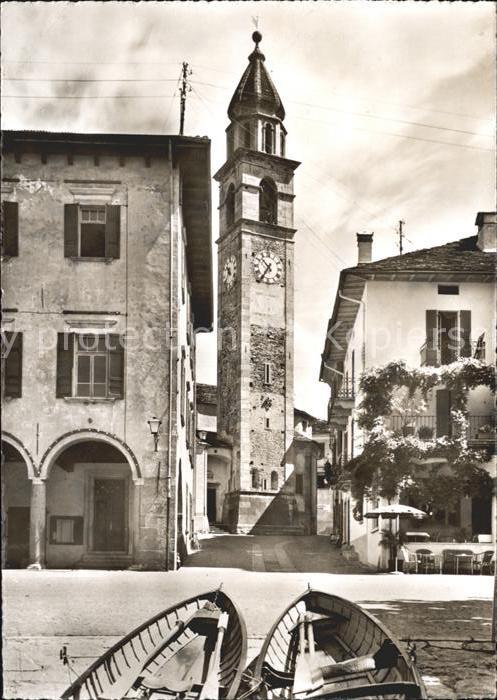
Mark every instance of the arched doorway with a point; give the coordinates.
(90, 496)
(16, 499)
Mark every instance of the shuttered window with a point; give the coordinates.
(10, 229)
(92, 231)
(448, 336)
(12, 364)
(90, 366)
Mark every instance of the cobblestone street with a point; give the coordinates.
(89, 610)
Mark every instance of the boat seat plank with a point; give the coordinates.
(407, 689)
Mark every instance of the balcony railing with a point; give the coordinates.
(480, 428)
(434, 356)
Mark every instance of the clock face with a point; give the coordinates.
(229, 272)
(268, 267)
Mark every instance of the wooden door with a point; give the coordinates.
(17, 554)
(109, 515)
(211, 504)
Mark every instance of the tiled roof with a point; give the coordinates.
(256, 91)
(207, 393)
(213, 440)
(457, 256)
(316, 423)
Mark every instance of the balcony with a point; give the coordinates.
(481, 429)
(436, 355)
(343, 396)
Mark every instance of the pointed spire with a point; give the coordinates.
(256, 93)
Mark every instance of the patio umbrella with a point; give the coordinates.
(392, 512)
(395, 510)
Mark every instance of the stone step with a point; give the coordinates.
(277, 530)
(101, 560)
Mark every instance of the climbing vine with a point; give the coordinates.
(379, 383)
(393, 463)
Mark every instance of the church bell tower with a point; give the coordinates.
(256, 307)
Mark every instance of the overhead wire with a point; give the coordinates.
(86, 97)
(90, 80)
(336, 109)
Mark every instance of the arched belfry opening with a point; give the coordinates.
(268, 141)
(268, 202)
(230, 205)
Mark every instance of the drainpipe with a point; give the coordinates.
(359, 302)
(171, 357)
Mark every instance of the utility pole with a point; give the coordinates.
(185, 88)
(401, 236)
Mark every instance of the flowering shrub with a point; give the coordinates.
(391, 463)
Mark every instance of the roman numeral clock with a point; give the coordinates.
(255, 306)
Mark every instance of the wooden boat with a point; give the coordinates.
(194, 650)
(328, 647)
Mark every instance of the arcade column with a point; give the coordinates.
(38, 525)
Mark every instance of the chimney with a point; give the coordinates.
(365, 247)
(487, 231)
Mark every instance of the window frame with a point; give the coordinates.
(77, 530)
(99, 208)
(78, 352)
(68, 355)
(443, 289)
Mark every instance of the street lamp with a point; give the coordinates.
(154, 424)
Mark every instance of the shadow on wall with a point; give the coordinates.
(288, 508)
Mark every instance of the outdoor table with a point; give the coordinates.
(463, 556)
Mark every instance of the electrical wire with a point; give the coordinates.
(87, 97)
(389, 133)
(365, 114)
(91, 80)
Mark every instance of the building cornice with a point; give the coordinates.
(259, 228)
(246, 155)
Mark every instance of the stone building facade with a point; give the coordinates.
(266, 488)
(107, 277)
(310, 449)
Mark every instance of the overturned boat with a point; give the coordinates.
(323, 646)
(195, 650)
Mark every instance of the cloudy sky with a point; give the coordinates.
(390, 107)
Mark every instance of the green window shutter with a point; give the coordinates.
(70, 230)
(431, 338)
(65, 359)
(10, 229)
(112, 231)
(465, 333)
(12, 355)
(116, 366)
